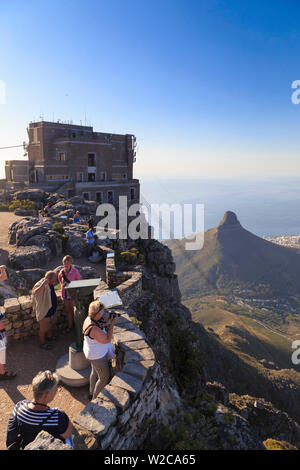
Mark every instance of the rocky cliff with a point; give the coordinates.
(201, 413)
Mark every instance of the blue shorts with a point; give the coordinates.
(51, 313)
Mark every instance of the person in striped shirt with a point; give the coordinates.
(28, 418)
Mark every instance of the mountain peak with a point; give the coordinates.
(229, 220)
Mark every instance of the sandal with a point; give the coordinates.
(45, 346)
(7, 376)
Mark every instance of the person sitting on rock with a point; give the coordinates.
(4, 375)
(44, 303)
(66, 275)
(77, 218)
(29, 418)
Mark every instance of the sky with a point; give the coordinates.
(205, 85)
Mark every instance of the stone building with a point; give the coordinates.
(75, 160)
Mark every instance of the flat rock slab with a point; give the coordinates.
(124, 317)
(29, 257)
(25, 302)
(45, 441)
(125, 335)
(136, 369)
(129, 345)
(139, 355)
(148, 364)
(125, 325)
(117, 395)
(97, 416)
(127, 382)
(11, 305)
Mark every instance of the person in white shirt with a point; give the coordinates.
(4, 374)
(41, 218)
(96, 347)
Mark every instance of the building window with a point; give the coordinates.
(79, 177)
(61, 156)
(91, 159)
(57, 177)
(99, 197)
(132, 194)
(103, 176)
(32, 175)
(91, 177)
(35, 135)
(119, 176)
(73, 135)
(86, 196)
(110, 197)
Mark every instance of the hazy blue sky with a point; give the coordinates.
(205, 85)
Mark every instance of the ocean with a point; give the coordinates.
(264, 207)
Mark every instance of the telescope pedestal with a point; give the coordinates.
(73, 368)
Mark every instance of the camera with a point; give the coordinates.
(107, 317)
(114, 315)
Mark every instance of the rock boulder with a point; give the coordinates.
(29, 257)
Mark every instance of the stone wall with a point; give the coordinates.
(20, 321)
(127, 283)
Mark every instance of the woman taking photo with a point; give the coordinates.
(96, 345)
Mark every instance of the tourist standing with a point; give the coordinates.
(28, 418)
(44, 303)
(96, 343)
(4, 375)
(67, 275)
(25, 229)
(48, 209)
(41, 218)
(91, 223)
(90, 239)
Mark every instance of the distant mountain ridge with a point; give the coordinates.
(232, 256)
